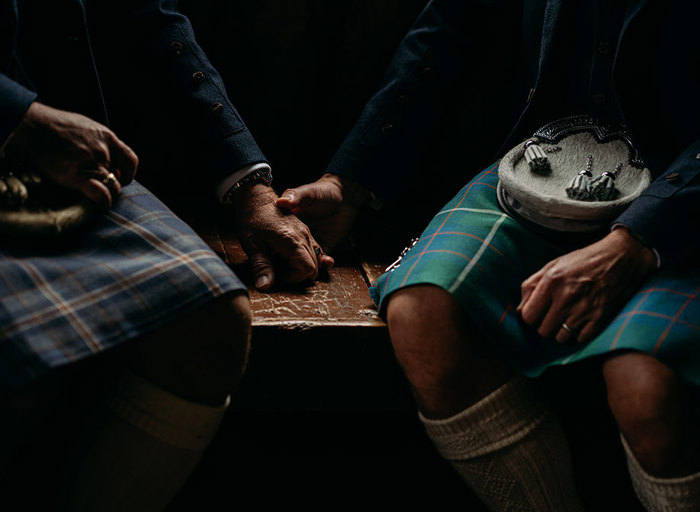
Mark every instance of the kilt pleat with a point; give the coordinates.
(481, 255)
(138, 267)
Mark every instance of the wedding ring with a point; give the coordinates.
(568, 329)
(110, 180)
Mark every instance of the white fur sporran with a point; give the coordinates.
(590, 173)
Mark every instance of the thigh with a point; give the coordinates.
(480, 255)
(136, 269)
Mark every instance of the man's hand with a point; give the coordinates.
(329, 206)
(74, 151)
(584, 288)
(278, 244)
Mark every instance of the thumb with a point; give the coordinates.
(299, 198)
(262, 270)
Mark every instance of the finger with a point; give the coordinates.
(288, 200)
(536, 305)
(579, 316)
(563, 306)
(302, 264)
(527, 287)
(327, 261)
(299, 199)
(124, 161)
(553, 319)
(568, 331)
(324, 261)
(593, 328)
(262, 270)
(97, 191)
(110, 181)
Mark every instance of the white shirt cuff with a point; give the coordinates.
(228, 182)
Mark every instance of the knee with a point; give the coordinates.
(440, 351)
(646, 399)
(420, 318)
(640, 389)
(201, 356)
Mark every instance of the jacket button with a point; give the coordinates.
(176, 46)
(599, 98)
(603, 48)
(674, 176)
(386, 129)
(198, 77)
(428, 73)
(217, 108)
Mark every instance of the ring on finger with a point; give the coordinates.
(317, 251)
(110, 180)
(568, 328)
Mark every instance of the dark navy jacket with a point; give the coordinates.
(131, 64)
(515, 49)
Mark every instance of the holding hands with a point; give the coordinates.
(280, 247)
(329, 206)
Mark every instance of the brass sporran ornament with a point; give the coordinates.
(34, 208)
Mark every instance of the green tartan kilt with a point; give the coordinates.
(481, 255)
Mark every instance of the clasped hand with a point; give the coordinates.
(279, 246)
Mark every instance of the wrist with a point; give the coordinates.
(244, 186)
(17, 142)
(352, 192)
(643, 255)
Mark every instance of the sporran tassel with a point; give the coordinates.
(603, 186)
(579, 188)
(536, 158)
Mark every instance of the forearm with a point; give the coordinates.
(176, 83)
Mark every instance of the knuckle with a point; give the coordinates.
(259, 265)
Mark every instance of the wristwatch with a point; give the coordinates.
(257, 176)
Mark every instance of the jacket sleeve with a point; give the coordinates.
(148, 55)
(393, 130)
(667, 214)
(14, 102)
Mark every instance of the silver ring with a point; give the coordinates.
(568, 329)
(317, 251)
(109, 180)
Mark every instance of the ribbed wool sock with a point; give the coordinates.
(511, 451)
(663, 494)
(143, 451)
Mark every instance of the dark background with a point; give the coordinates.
(300, 71)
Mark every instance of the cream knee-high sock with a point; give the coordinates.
(680, 494)
(143, 451)
(511, 451)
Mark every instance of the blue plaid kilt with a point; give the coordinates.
(481, 255)
(137, 268)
